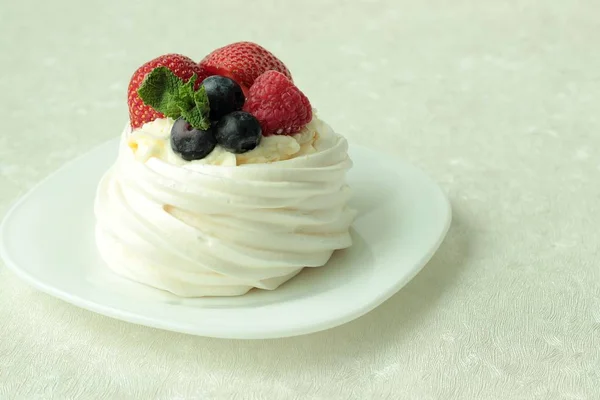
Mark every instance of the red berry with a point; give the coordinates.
(243, 62)
(280, 107)
(182, 66)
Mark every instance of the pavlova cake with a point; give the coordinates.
(226, 179)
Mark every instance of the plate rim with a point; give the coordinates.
(133, 317)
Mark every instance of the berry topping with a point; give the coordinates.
(238, 132)
(181, 66)
(191, 143)
(279, 106)
(224, 96)
(243, 62)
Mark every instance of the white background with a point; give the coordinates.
(497, 101)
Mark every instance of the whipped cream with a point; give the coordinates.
(153, 140)
(227, 223)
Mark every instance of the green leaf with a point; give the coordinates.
(198, 116)
(201, 101)
(160, 90)
(186, 94)
(167, 94)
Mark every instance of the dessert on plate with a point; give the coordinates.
(225, 180)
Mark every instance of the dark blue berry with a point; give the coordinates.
(238, 132)
(191, 143)
(224, 96)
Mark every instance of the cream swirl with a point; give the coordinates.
(225, 224)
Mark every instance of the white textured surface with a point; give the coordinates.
(498, 101)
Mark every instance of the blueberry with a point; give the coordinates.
(224, 96)
(191, 143)
(238, 132)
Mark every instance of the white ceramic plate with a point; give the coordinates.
(47, 239)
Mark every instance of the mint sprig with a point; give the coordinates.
(167, 94)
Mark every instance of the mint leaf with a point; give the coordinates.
(197, 116)
(160, 91)
(169, 95)
(201, 102)
(186, 94)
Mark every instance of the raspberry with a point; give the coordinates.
(280, 107)
(242, 62)
(182, 66)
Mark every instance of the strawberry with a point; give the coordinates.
(182, 66)
(243, 62)
(279, 106)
